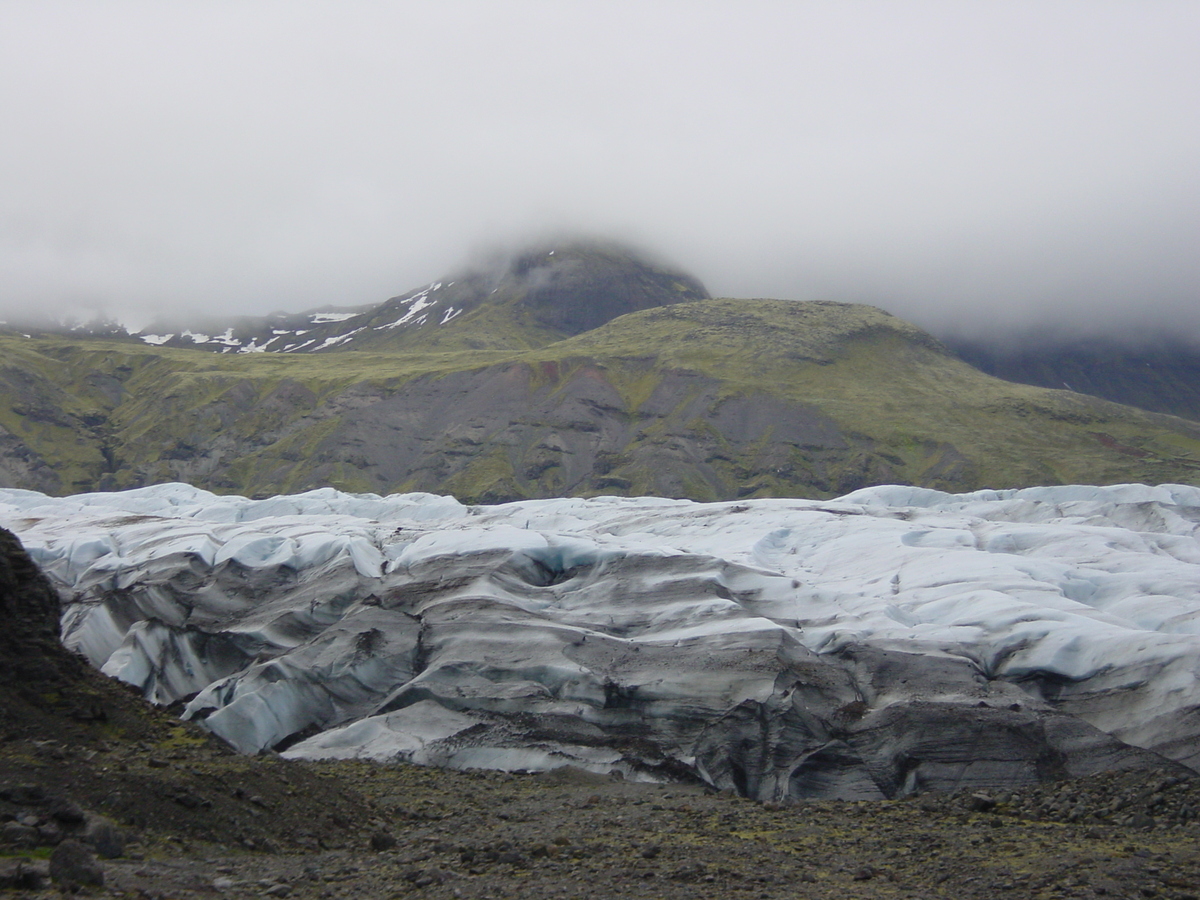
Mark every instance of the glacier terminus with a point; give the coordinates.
(893, 640)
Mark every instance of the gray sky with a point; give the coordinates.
(954, 162)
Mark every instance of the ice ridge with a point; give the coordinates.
(780, 648)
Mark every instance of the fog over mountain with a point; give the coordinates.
(969, 166)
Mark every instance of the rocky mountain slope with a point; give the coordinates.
(572, 372)
(1161, 375)
(513, 302)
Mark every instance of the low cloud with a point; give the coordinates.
(974, 167)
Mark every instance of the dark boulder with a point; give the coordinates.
(73, 865)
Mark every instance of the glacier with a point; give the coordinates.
(893, 640)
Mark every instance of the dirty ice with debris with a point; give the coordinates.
(895, 639)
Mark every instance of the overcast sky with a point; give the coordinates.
(1000, 163)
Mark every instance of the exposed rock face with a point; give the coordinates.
(573, 292)
(707, 399)
(519, 301)
(21, 465)
(29, 609)
(500, 433)
(47, 692)
(513, 301)
(1162, 375)
(893, 641)
(72, 866)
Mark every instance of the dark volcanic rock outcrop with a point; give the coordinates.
(83, 758)
(40, 681)
(29, 609)
(576, 289)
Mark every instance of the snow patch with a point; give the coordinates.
(339, 339)
(415, 304)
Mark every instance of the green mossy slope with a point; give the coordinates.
(931, 418)
(710, 399)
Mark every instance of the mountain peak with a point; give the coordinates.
(514, 300)
(526, 299)
(579, 286)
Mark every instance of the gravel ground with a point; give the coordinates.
(202, 822)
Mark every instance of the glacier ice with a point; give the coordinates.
(892, 640)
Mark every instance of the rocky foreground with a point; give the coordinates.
(194, 820)
(116, 798)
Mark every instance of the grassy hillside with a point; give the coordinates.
(706, 399)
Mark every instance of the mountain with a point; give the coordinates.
(1161, 374)
(574, 372)
(894, 640)
(515, 302)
